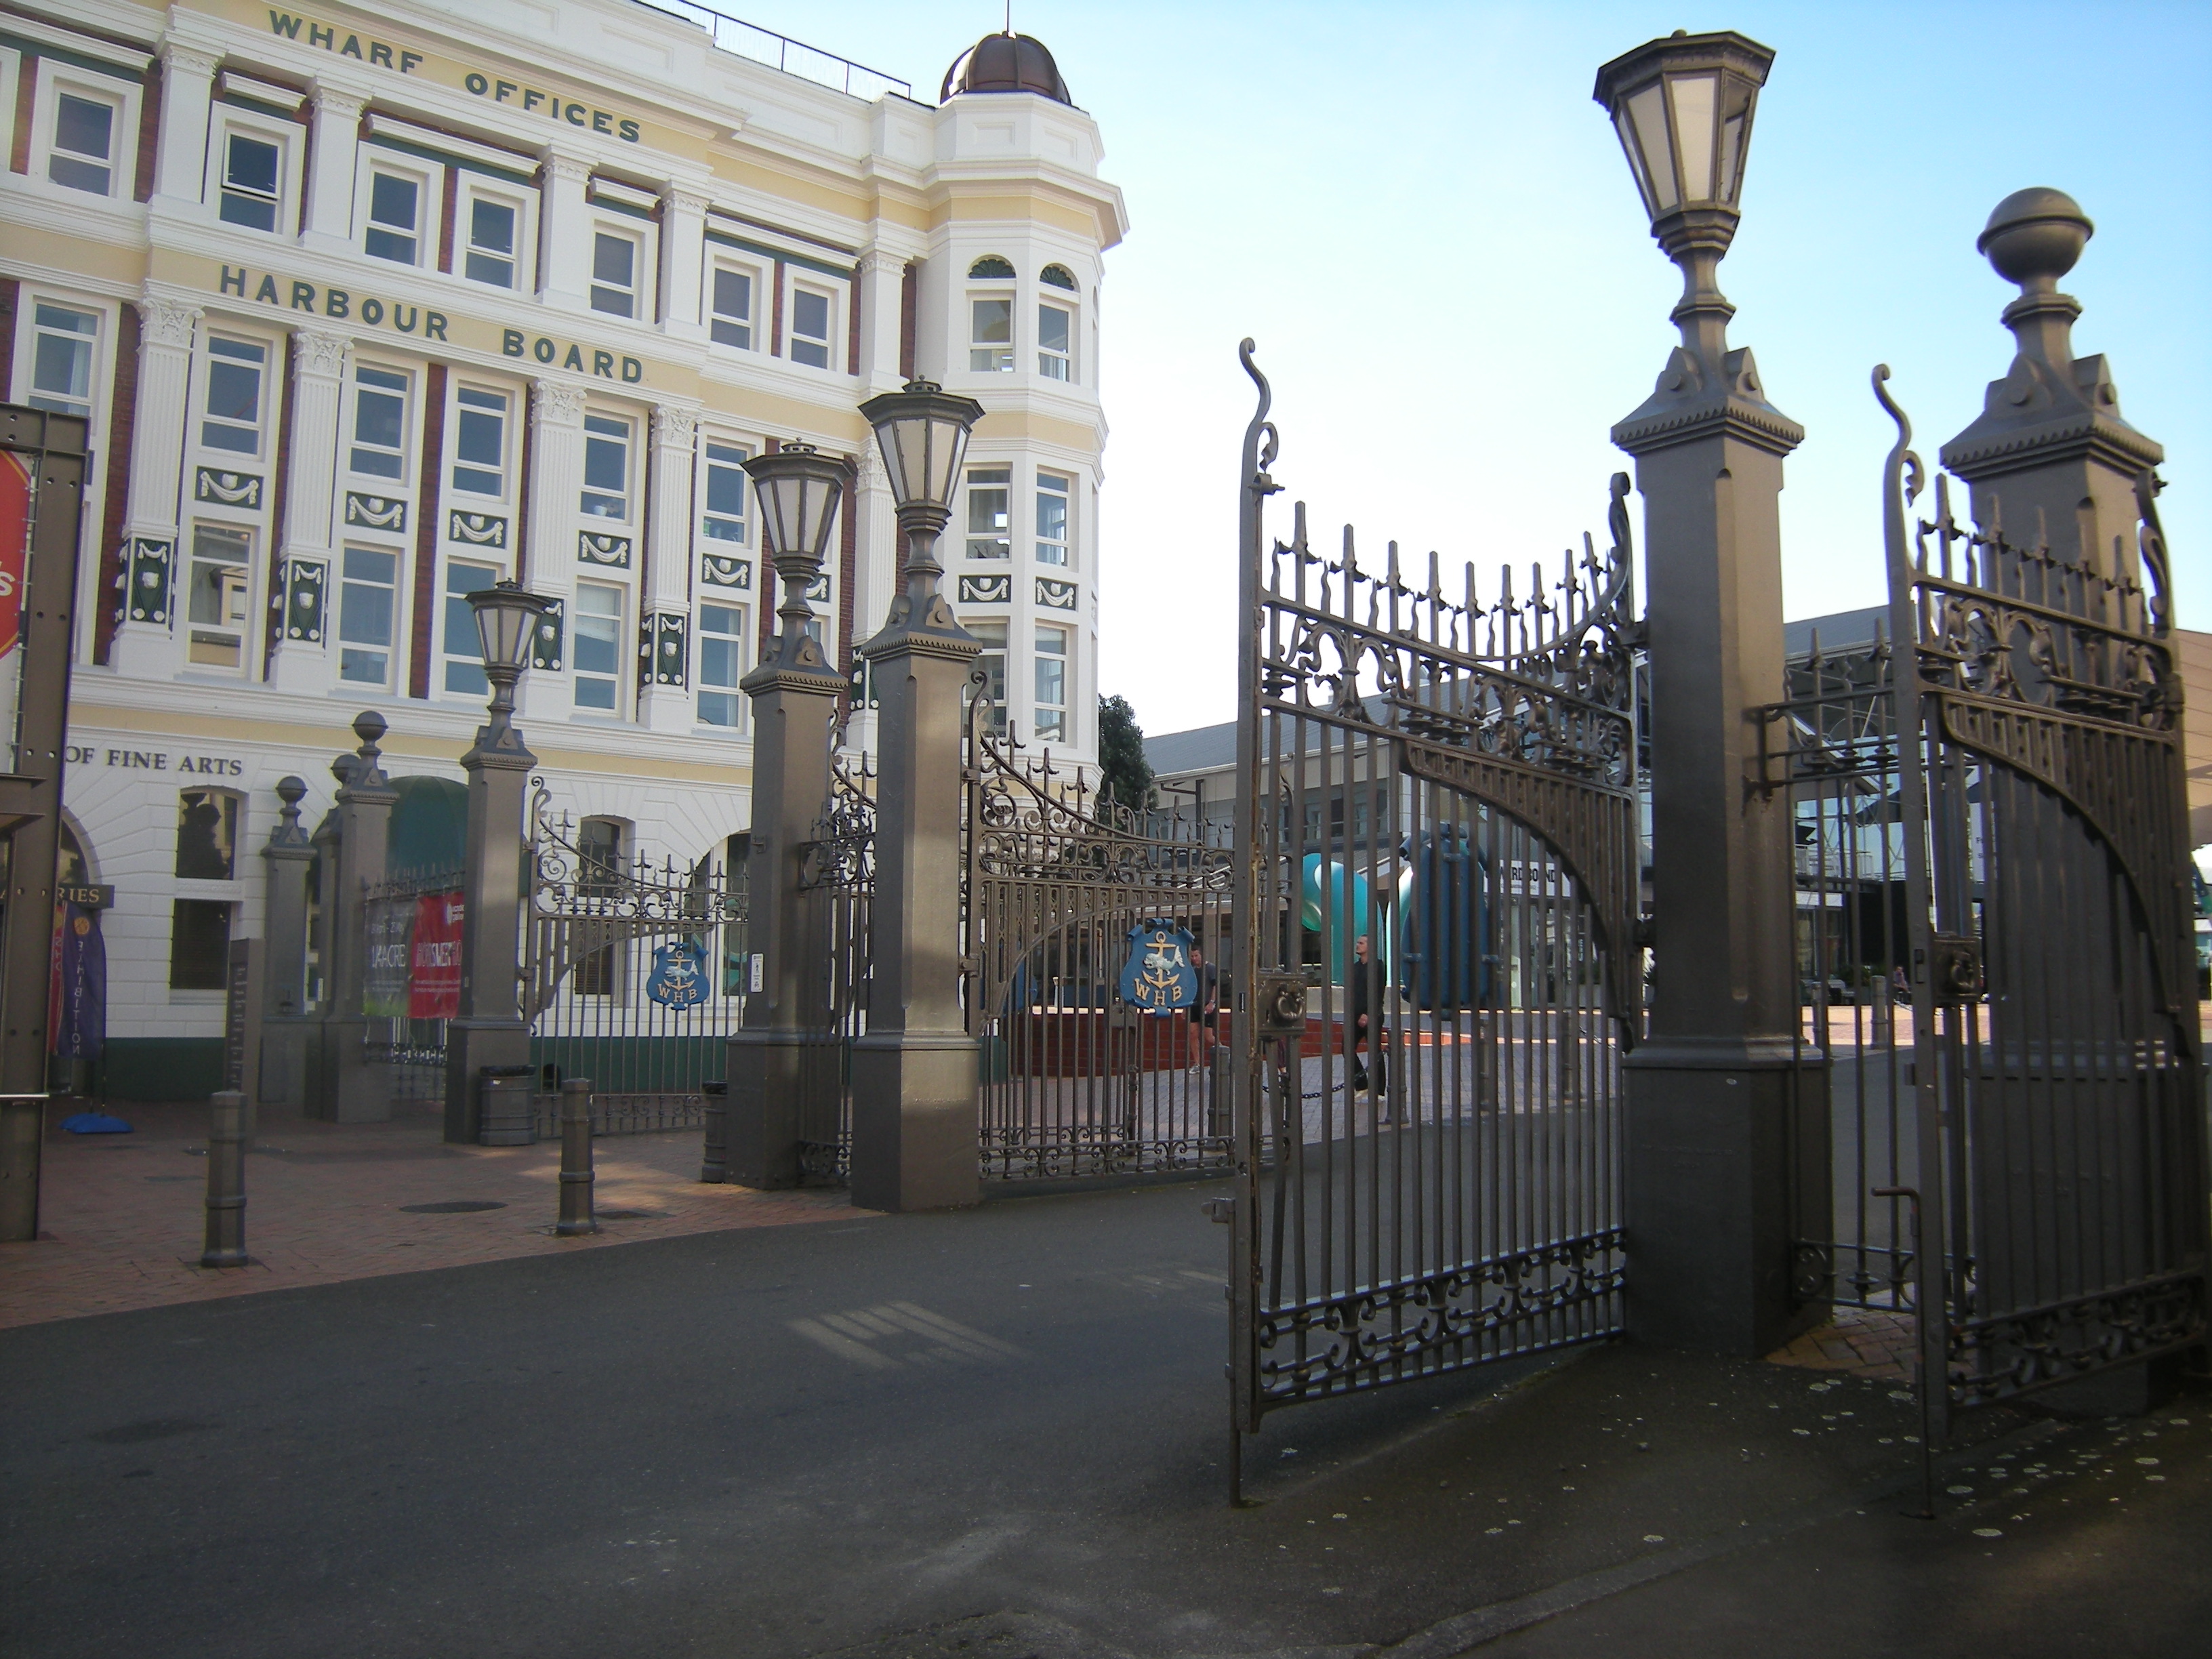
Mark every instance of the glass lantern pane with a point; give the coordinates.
(1731, 155)
(1647, 112)
(1642, 174)
(1693, 133)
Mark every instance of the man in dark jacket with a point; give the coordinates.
(1365, 996)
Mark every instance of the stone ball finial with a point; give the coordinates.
(369, 726)
(291, 790)
(2034, 236)
(344, 768)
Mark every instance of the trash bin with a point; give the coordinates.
(714, 1164)
(503, 1106)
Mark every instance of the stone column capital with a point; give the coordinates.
(683, 198)
(674, 426)
(337, 103)
(321, 355)
(166, 322)
(196, 62)
(567, 168)
(556, 402)
(876, 260)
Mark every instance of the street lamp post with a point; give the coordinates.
(914, 1072)
(489, 1029)
(794, 694)
(1711, 1091)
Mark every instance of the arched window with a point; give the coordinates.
(1058, 276)
(991, 265)
(602, 866)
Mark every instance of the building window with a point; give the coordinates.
(207, 834)
(614, 274)
(379, 422)
(199, 944)
(1051, 717)
(464, 645)
(990, 495)
(599, 860)
(1058, 276)
(606, 467)
(1055, 338)
(366, 606)
(991, 336)
(810, 328)
(216, 607)
(1051, 493)
(62, 342)
(991, 268)
(236, 368)
(722, 636)
(493, 235)
(395, 217)
(251, 167)
(732, 319)
(725, 493)
(480, 443)
(82, 154)
(991, 663)
(596, 644)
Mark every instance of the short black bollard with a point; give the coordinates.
(576, 1158)
(714, 1158)
(226, 1186)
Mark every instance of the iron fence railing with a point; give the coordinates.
(780, 51)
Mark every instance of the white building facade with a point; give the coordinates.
(368, 311)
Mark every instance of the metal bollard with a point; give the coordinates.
(714, 1155)
(576, 1158)
(226, 1186)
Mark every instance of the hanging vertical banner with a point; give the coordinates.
(80, 1031)
(388, 925)
(434, 974)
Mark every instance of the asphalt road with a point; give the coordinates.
(1001, 1432)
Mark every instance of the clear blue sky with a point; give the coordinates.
(1427, 225)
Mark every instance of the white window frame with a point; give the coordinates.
(26, 351)
(1038, 542)
(250, 609)
(586, 490)
(1045, 357)
(1010, 296)
(741, 643)
(54, 79)
(400, 479)
(1002, 649)
(429, 182)
(272, 382)
(285, 136)
(616, 678)
(969, 536)
(468, 501)
(638, 233)
(456, 615)
(715, 266)
(474, 188)
(834, 295)
(1066, 707)
(346, 583)
(709, 541)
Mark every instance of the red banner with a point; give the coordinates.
(434, 968)
(14, 544)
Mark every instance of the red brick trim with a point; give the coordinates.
(775, 317)
(122, 428)
(27, 100)
(446, 207)
(848, 546)
(523, 516)
(853, 327)
(11, 297)
(273, 627)
(427, 511)
(909, 317)
(764, 577)
(149, 133)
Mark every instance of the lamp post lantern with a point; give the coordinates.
(1711, 1091)
(913, 1074)
(794, 694)
(489, 1030)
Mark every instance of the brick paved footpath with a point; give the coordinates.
(121, 1221)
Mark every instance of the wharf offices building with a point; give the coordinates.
(368, 310)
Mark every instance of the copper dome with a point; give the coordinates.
(1006, 62)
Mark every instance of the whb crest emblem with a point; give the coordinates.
(678, 979)
(1158, 976)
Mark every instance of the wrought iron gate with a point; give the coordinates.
(1076, 1081)
(405, 918)
(836, 887)
(620, 976)
(1437, 852)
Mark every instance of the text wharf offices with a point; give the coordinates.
(367, 311)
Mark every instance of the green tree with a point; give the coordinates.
(1122, 754)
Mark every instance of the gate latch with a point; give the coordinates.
(1279, 1010)
(1954, 969)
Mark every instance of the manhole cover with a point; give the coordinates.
(629, 1215)
(454, 1206)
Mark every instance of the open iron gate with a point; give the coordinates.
(2056, 1090)
(1453, 780)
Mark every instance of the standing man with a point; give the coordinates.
(1363, 998)
(1205, 1009)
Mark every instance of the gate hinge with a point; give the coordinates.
(1223, 1210)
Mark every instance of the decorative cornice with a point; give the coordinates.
(167, 322)
(680, 200)
(179, 59)
(565, 168)
(339, 103)
(1692, 402)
